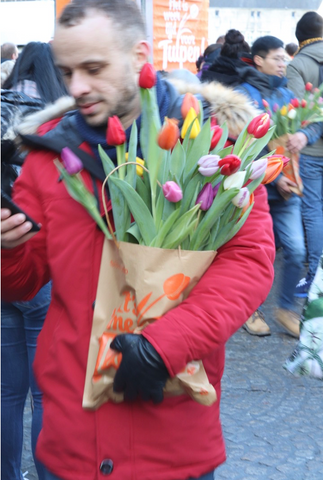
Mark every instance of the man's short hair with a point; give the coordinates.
(8, 50)
(263, 45)
(291, 49)
(125, 14)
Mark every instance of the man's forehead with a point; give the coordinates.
(276, 51)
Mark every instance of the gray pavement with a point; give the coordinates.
(272, 421)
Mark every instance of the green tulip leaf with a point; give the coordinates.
(139, 210)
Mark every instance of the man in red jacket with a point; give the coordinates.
(100, 47)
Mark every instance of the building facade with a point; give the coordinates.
(256, 18)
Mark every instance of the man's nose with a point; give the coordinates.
(79, 86)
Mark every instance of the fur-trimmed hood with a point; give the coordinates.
(226, 105)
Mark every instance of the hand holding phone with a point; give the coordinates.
(7, 202)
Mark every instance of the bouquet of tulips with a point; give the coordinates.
(298, 113)
(172, 210)
(288, 120)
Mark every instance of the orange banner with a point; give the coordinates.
(59, 5)
(180, 32)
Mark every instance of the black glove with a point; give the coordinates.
(142, 372)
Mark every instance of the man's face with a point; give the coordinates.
(273, 63)
(99, 73)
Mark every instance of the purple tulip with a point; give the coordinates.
(208, 165)
(205, 197)
(258, 168)
(216, 189)
(172, 192)
(275, 107)
(71, 162)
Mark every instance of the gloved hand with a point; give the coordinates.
(142, 372)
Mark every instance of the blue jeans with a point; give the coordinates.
(311, 171)
(21, 323)
(288, 227)
(207, 476)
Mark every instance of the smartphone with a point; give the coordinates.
(6, 202)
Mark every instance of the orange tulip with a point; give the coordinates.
(251, 200)
(169, 134)
(190, 101)
(274, 167)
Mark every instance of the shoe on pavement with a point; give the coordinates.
(289, 320)
(256, 325)
(302, 288)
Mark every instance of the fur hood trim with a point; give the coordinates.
(226, 105)
(32, 122)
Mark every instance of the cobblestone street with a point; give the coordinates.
(272, 421)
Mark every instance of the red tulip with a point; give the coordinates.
(147, 77)
(115, 133)
(265, 103)
(169, 134)
(308, 87)
(295, 102)
(303, 103)
(190, 101)
(229, 164)
(216, 136)
(259, 126)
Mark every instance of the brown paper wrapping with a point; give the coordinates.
(291, 170)
(137, 285)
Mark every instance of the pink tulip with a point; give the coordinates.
(242, 198)
(258, 168)
(208, 165)
(172, 192)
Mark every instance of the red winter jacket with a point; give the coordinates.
(176, 439)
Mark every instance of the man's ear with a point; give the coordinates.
(141, 54)
(258, 60)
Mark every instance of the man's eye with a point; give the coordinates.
(94, 70)
(66, 73)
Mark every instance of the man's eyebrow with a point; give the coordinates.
(86, 63)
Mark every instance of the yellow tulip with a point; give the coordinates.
(139, 170)
(283, 110)
(191, 117)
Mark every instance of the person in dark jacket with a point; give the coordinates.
(34, 82)
(226, 68)
(267, 82)
(305, 68)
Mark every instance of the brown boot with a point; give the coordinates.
(289, 320)
(256, 325)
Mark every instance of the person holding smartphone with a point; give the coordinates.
(101, 48)
(33, 83)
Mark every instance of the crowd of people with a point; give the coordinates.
(96, 57)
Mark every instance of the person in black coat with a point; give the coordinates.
(234, 57)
